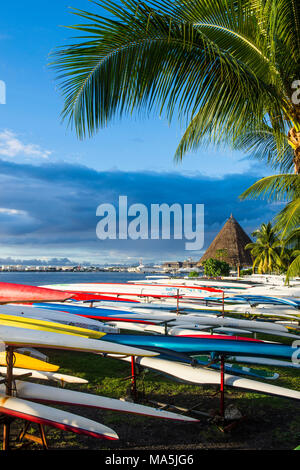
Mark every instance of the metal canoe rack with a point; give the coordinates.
(6, 421)
(218, 417)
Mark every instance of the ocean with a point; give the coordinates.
(42, 278)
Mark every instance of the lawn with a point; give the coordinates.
(269, 422)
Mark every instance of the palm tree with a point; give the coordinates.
(227, 69)
(284, 187)
(266, 251)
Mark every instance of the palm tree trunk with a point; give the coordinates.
(294, 141)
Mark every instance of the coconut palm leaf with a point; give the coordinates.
(294, 268)
(288, 219)
(262, 144)
(202, 60)
(276, 187)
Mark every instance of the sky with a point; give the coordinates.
(51, 183)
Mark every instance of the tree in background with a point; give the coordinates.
(215, 268)
(283, 188)
(266, 250)
(193, 274)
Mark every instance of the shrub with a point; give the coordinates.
(193, 274)
(214, 267)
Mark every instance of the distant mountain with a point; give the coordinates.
(41, 262)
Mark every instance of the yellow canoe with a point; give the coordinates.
(45, 325)
(27, 362)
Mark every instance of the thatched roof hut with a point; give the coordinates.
(229, 245)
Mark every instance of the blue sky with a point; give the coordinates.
(52, 183)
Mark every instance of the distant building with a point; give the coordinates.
(189, 264)
(172, 265)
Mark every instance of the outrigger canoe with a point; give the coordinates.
(10, 293)
(113, 315)
(194, 346)
(14, 336)
(59, 396)
(202, 376)
(45, 415)
(46, 325)
(26, 362)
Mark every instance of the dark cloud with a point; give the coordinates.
(53, 207)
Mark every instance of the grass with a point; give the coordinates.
(271, 422)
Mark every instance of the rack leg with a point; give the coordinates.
(223, 304)
(133, 377)
(9, 382)
(222, 389)
(6, 433)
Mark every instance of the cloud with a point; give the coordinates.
(50, 209)
(4, 210)
(12, 146)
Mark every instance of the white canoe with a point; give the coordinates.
(15, 336)
(37, 413)
(133, 289)
(264, 361)
(201, 376)
(44, 393)
(251, 325)
(41, 375)
(33, 353)
(180, 330)
(237, 331)
(195, 318)
(218, 284)
(198, 319)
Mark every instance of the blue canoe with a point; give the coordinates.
(187, 345)
(102, 313)
(256, 299)
(193, 346)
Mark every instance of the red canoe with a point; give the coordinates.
(215, 336)
(10, 293)
(85, 296)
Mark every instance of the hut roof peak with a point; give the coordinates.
(229, 245)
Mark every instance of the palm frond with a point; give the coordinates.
(145, 60)
(289, 218)
(268, 144)
(294, 268)
(282, 187)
